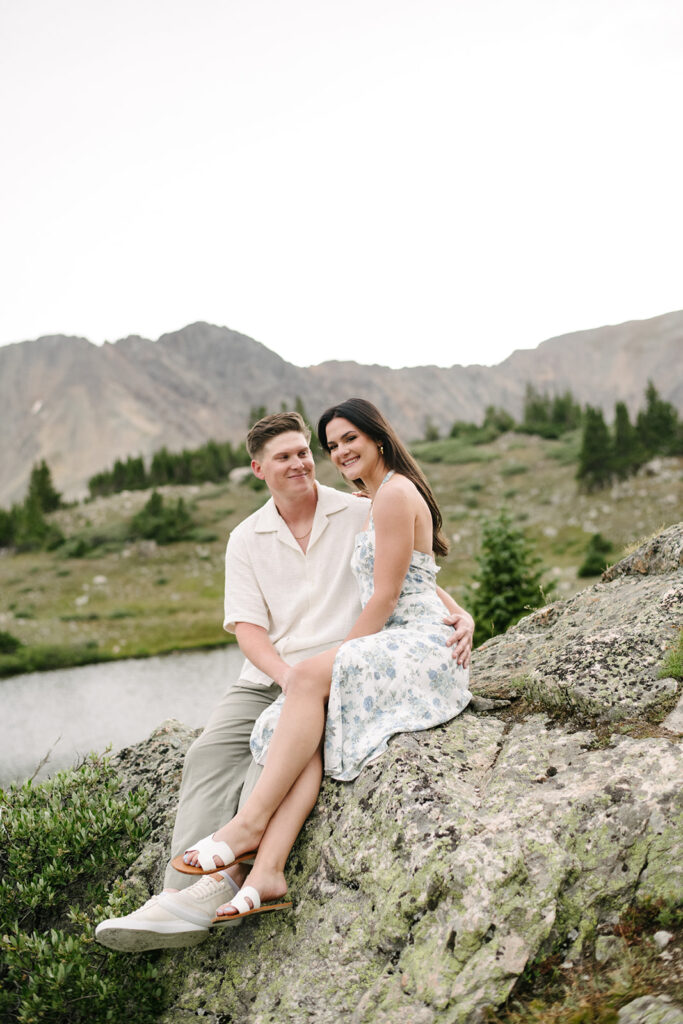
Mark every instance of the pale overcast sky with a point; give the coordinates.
(391, 181)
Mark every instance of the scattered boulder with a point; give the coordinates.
(650, 1010)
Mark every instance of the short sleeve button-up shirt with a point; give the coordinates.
(306, 602)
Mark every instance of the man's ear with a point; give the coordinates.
(256, 469)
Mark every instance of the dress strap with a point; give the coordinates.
(371, 523)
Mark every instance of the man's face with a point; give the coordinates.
(286, 464)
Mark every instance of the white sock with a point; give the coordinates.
(233, 883)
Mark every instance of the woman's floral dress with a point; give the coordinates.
(402, 679)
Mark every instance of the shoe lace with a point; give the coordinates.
(202, 888)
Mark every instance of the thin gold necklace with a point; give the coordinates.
(303, 534)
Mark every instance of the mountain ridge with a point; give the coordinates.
(80, 406)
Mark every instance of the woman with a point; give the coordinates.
(393, 673)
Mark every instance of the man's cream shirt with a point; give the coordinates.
(305, 602)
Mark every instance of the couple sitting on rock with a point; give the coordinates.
(348, 641)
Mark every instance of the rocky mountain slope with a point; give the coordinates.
(81, 406)
(527, 826)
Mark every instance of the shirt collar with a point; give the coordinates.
(329, 502)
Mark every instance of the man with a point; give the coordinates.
(289, 594)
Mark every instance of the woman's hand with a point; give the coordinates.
(461, 640)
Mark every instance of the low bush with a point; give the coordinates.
(595, 558)
(43, 657)
(62, 842)
(9, 644)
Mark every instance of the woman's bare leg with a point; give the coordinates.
(295, 740)
(267, 875)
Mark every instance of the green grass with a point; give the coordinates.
(452, 452)
(159, 599)
(589, 992)
(673, 663)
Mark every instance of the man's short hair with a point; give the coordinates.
(272, 426)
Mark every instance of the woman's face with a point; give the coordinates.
(354, 453)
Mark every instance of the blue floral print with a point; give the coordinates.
(402, 679)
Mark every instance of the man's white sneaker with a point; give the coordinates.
(148, 927)
(198, 903)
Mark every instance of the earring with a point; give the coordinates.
(380, 449)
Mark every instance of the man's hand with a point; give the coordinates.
(461, 640)
(285, 678)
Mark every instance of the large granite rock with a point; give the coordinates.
(599, 652)
(424, 889)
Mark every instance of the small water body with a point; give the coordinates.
(70, 712)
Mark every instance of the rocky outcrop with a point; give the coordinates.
(423, 890)
(599, 652)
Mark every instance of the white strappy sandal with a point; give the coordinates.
(244, 909)
(208, 848)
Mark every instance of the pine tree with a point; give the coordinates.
(41, 488)
(537, 409)
(498, 420)
(431, 431)
(31, 529)
(657, 424)
(508, 582)
(596, 456)
(627, 451)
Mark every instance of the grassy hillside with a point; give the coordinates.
(126, 598)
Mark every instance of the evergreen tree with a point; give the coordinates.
(299, 407)
(136, 477)
(595, 458)
(119, 476)
(6, 528)
(431, 432)
(509, 578)
(32, 532)
(498, 420)
(160, 470)
(163, 523)
(256, 413)
(627, 452)
(41, 488)
(565, 413)
(536, 417)
(657, 424)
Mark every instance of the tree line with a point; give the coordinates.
(616, 454)
(547, 415)
(211, 462)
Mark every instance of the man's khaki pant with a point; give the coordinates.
(219, 771)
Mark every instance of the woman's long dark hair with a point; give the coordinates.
(367, 418)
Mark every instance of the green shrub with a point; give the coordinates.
(8, 643)
(43, 657)
(595, 559)
(62, 842)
